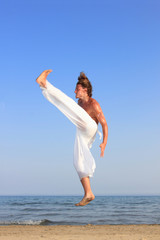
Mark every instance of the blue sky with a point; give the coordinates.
(116, 43)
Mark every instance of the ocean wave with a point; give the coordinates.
(43, 222)
(32, 209)
(25, 203)
(28, 222)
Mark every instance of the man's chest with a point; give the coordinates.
(89, 109)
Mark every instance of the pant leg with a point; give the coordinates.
(84, 162)
(76, 114)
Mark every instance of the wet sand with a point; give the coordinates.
(88, 232)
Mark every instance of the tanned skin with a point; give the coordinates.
(92, 107)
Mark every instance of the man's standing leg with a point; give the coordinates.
(88, 194)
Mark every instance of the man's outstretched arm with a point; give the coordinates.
(103, 122)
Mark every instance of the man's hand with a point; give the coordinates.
(102, 146)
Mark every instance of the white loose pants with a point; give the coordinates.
(86, 129)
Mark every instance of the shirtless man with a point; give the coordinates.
(83, 92)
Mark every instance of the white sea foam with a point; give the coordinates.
(25, 222)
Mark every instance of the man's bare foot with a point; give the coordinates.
(85, 201)
(41, 80)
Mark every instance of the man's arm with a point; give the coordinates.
(101, 118)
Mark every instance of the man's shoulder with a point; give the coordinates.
(94, 102)
(95, 105)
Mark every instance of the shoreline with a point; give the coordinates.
(81, 232)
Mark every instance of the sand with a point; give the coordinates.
(89, 232)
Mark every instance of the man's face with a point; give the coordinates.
(80, 91)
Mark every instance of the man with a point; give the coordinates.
(85, 115)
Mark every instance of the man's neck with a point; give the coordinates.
(85, 99)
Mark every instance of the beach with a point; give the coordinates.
(89, 232)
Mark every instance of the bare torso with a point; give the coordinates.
(89, 107)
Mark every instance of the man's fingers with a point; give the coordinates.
(102, 154)
(102, 150)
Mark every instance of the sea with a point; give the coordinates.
(60, 210)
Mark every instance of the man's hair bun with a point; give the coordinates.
(82, 76)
